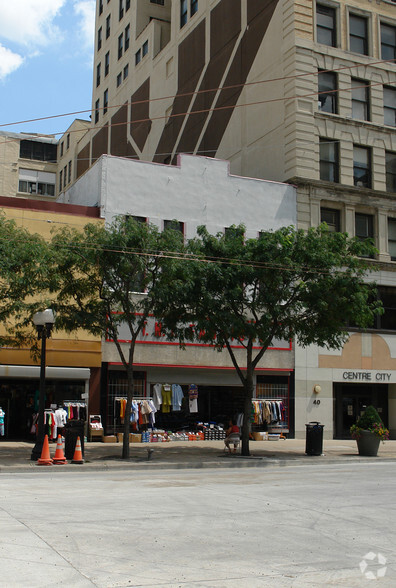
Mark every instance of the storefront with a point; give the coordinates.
(219, 397)
(19, 394)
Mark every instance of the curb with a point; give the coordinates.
(233, 463)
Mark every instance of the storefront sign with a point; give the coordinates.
(356, 376)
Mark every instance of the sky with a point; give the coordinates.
(46, 56)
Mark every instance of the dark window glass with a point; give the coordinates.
(329, 160)
(138, 57)
(96, 111)
(160, 2)
(61, 149)
(390, 162)
(127, 36)
(126, 71)
(358, 36)
(145, 48)
(360, 99)
(183, 13)
(174, 225)
(364, 226)
(331, 217)
(361, 167)
(327, 88)
(100, 7)
(108, 27)
(98, 74)
(107, 63)
(38, 151)
(105, 101)
(390, 106)
(392, 238)
(388, 42)
(120, 45)
(121, 9)
(127, 5)
(193, 7)
(119, 79)
(387, 321)
(99, 38)
(67, 141)
(326, 25)
(60, 180)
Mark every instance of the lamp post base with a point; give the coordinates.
(36, 451)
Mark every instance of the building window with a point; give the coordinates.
(107, 63)
(387, 321)
(327, 88)
(145, 48)
(193, 7)
(97, 111)
(121, 10)
(64, 176)
(358, 34)
(390, 164)
(119, 79)
(329, 160)
(126, 71)
(361, 166)
(183, 13)
(364, 226)
(69, 167)
(38, 151)
(160, 2)
(326, 25)
(61, 149)
(120, 45)
(36, 187)
(127, 5)
(360, 99)
(105, 101)
(388, 42)
(392, 238)
(67, 141)
(127, 36)
(100, 7)
(390, 106)
(98, 74)
(60, 181)
(174, 225)
(108, 26)
(99, 38)
(138, 57)
(331, 216)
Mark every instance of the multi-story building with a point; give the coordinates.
(198, 191)
(301, 91)
(73, 360)
(28, 165)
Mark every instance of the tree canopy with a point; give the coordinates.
(286, 284)
(24, 280)
(105, 275)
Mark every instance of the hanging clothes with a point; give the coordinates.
(157, 395)
(177, 397)
(166, 397)
(193, 397)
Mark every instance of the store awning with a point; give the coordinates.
(51, 373)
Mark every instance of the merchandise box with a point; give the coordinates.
(110, 439)
(135, 438)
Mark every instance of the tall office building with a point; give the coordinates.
(300, 91)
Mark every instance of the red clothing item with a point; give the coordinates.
(234, 429)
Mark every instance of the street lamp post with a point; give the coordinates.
(44, 321)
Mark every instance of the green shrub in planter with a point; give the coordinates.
(370, 421)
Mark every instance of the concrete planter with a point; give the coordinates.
(368, 444)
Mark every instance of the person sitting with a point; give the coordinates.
(233, 436)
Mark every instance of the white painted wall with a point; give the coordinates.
(200, 190)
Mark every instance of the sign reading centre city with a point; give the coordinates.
(378, 377)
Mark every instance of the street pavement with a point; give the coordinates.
(15, 456)
(300, 526)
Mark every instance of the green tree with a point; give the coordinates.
(286, 284)
(24, 280)
(104, 278)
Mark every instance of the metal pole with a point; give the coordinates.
(37, 449)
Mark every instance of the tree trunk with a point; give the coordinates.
(247, 411)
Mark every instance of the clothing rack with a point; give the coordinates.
(118, 398)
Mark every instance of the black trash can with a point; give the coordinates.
(314, 439)
(71, 431)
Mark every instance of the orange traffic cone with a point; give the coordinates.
(59, 457)
(45, 458)
(78, 457)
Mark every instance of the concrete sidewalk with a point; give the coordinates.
(15, 456)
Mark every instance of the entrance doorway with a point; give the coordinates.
(350, 401)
